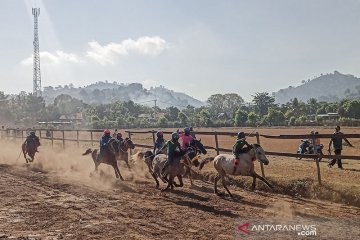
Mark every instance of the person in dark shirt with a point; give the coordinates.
(336, 141)
(159, 142)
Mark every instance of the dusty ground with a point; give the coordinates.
(55, 198)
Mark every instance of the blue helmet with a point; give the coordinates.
(187, 131)
(175, 136)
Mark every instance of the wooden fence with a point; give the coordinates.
(13, 134)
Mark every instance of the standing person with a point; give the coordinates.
(336, 140)
(238, 148)
(159, 143)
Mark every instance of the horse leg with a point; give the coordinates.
(253, 183)
(117, 171)
(224, 184)
(157, 182)
(180, 181)
(217, 178)
(168, 186)
(190, 176)
(263, 179)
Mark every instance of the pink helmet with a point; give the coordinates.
(107, 132)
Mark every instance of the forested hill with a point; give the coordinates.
(328, 87)
(104, 92)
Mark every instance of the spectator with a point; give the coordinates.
(336, 140)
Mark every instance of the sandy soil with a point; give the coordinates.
(55, 198)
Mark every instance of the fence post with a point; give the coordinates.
(153, 136)
(40, 133)
(130, 138)
(217, 144)
(261, 164)
(52, 138)
(77, 138)
(92, 138)
(22, 134)
(63, 138)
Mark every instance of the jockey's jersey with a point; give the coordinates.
(186, 140)
(171, 147)
(159, 143)
(104, 140)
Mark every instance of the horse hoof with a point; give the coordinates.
(220, 194)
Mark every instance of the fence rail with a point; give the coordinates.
(21, 134)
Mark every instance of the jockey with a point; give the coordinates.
(238, 148)
(186, 138)
(159, 143)
(104, 140)
(32, 141)
(119, 137)
(173, 150)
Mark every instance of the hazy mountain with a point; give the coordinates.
(104, 92)
(328, 87)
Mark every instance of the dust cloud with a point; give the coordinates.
(70, 165)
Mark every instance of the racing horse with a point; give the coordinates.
(30, 149)
(156, 163)
(224, 164)
(111, 152)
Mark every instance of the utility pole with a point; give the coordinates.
(36, 68)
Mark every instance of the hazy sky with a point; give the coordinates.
(199, 47)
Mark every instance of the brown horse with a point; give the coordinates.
(30, 150)
(123, 151)
(111, 152)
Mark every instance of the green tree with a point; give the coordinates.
(263, 101)
(163, 122)
(292, 121)
(182, 118)
(275, 117)
(352, 109)
(171, 113)
(253, 118)
(240, 118)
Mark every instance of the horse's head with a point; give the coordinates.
(198, 146)
(259, 154)
(149, 155)
(127, 143)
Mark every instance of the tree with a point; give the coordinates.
(240, 118)
(227, 103)
(182, 118)
(253, 118)
(352, 109)
(204, 118)
(263, 101)
(171, 113)
(275, 117)
(292, 121)
(162, 122)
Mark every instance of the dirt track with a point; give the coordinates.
(40, 204)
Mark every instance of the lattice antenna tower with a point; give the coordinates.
(36, 70)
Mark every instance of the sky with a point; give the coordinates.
(199, 47)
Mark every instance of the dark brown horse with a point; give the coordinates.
(30, 150)
(111, 152)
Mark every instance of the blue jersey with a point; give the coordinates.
(104, 140)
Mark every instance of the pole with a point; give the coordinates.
(130, 138)
(261, 164)
(63, 138)
(77, 138)
(52, 138)
(217, 144)
(92, 138)
(153, 136)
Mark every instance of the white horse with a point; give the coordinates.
(224, 164)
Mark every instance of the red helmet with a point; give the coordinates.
(160, 134)
(107, 132)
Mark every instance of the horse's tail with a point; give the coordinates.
(87, 152)
(137, 156)
(205, 161)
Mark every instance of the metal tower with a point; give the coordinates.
(37, 73)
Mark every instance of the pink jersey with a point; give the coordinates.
(185, 140)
